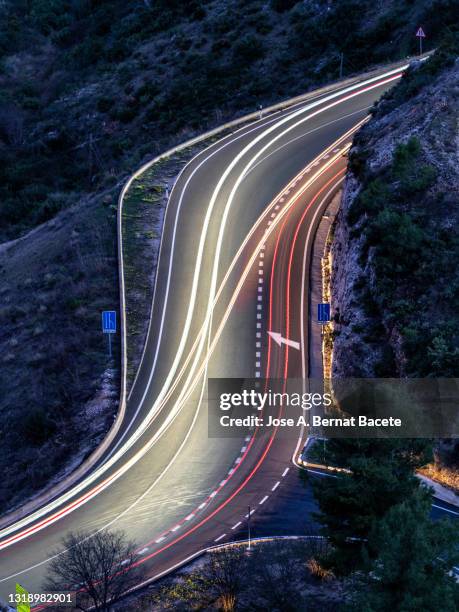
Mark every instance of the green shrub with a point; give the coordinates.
(104, 104)
(248, 49)
(280, 6)
(37, 427)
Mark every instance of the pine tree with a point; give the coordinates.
(381, 477)
(413, 559)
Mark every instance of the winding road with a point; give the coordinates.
(234, 264)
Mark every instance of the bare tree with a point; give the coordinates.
(99, 567)
(276, 577)
(218, 584)
(225, 572)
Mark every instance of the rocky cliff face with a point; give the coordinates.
(395, 256)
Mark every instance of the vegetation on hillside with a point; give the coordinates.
(395, 274)
(89, 88)
(377, 520)
(402, 225)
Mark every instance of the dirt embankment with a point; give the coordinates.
(58, 388)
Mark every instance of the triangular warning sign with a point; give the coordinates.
(420, 33)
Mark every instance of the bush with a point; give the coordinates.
(280, 6)
(37, 427)
(248, 49)
(104, 104)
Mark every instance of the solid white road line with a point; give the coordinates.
(445, 509)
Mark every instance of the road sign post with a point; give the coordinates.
(109, 326)
(420, 34)
(323, 313)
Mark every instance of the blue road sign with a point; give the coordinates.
(323, 313)
(109, 321)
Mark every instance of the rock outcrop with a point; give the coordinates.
(395, 255)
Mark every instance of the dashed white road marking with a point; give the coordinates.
(190, 516)
(159, 540)
(201, 506)
(251, 512)
(220, 537)
(125, 562)
(236, 525)
(276, 485)
(214, 493)
(263, 500)
(284, 473)
(223, 483)
(175, 528)
(143, 551)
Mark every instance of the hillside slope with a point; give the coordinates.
(395, 275)
(89, 88)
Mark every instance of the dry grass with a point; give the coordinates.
(318, 570)
(444, 475)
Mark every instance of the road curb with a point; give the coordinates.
(209, 549)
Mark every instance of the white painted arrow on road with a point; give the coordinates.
(279, 339)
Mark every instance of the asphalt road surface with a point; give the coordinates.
(233, 265)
